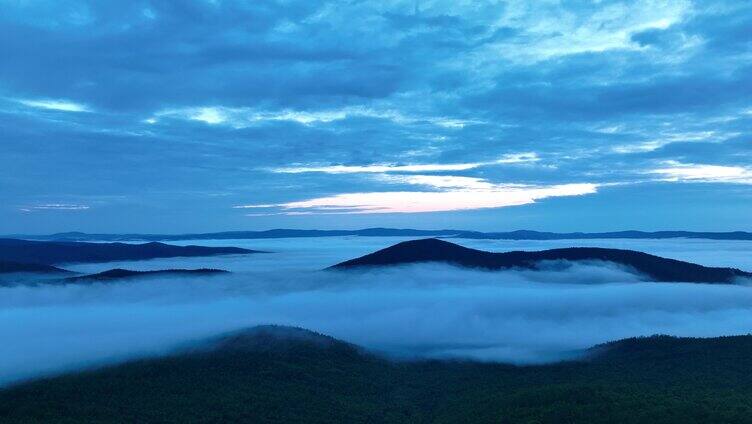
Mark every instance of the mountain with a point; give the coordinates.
(289, 375)
(119, 274)
(655, 268)
(538, 235)
(278, 340)
(229, 235)
(49, 252)
(395, 232)
(8, 267)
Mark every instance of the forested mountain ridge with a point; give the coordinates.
(653, 267)
(279, 374)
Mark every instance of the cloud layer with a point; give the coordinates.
(141, 110)
(427, 311)
(424, 311)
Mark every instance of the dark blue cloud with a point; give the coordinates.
(159, 114)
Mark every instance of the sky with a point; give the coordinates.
(193, 116)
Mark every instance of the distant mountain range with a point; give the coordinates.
(10, 267)
(393, 232)
(56, 252)
(37, 257)
(35, 275)
(653, 267)
(119, 274)
(274, 374)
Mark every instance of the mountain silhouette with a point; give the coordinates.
(55, 252)
(8, 267)
(394, 232)
(280, 340)
(119, 273)
(653, 267)
(275, 374)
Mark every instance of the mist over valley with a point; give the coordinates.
(413, 311)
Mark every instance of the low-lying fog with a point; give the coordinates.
(424, 310)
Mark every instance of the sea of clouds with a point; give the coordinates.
(427, 310)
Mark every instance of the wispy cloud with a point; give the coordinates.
(669, 138)
(59, 105)
(209, 115)
(525, 157)
(451, 193)
(355, 169)
(512, 158)
(55, 206)
(553, 32)
(241, 117)
(693, 172)
(442, 181)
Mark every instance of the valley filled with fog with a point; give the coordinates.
(424, 310)
(321, 252)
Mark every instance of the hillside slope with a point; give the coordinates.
(56, 252)
(287, 375)
(653, 267)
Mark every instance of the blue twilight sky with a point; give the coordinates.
(176, 116)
